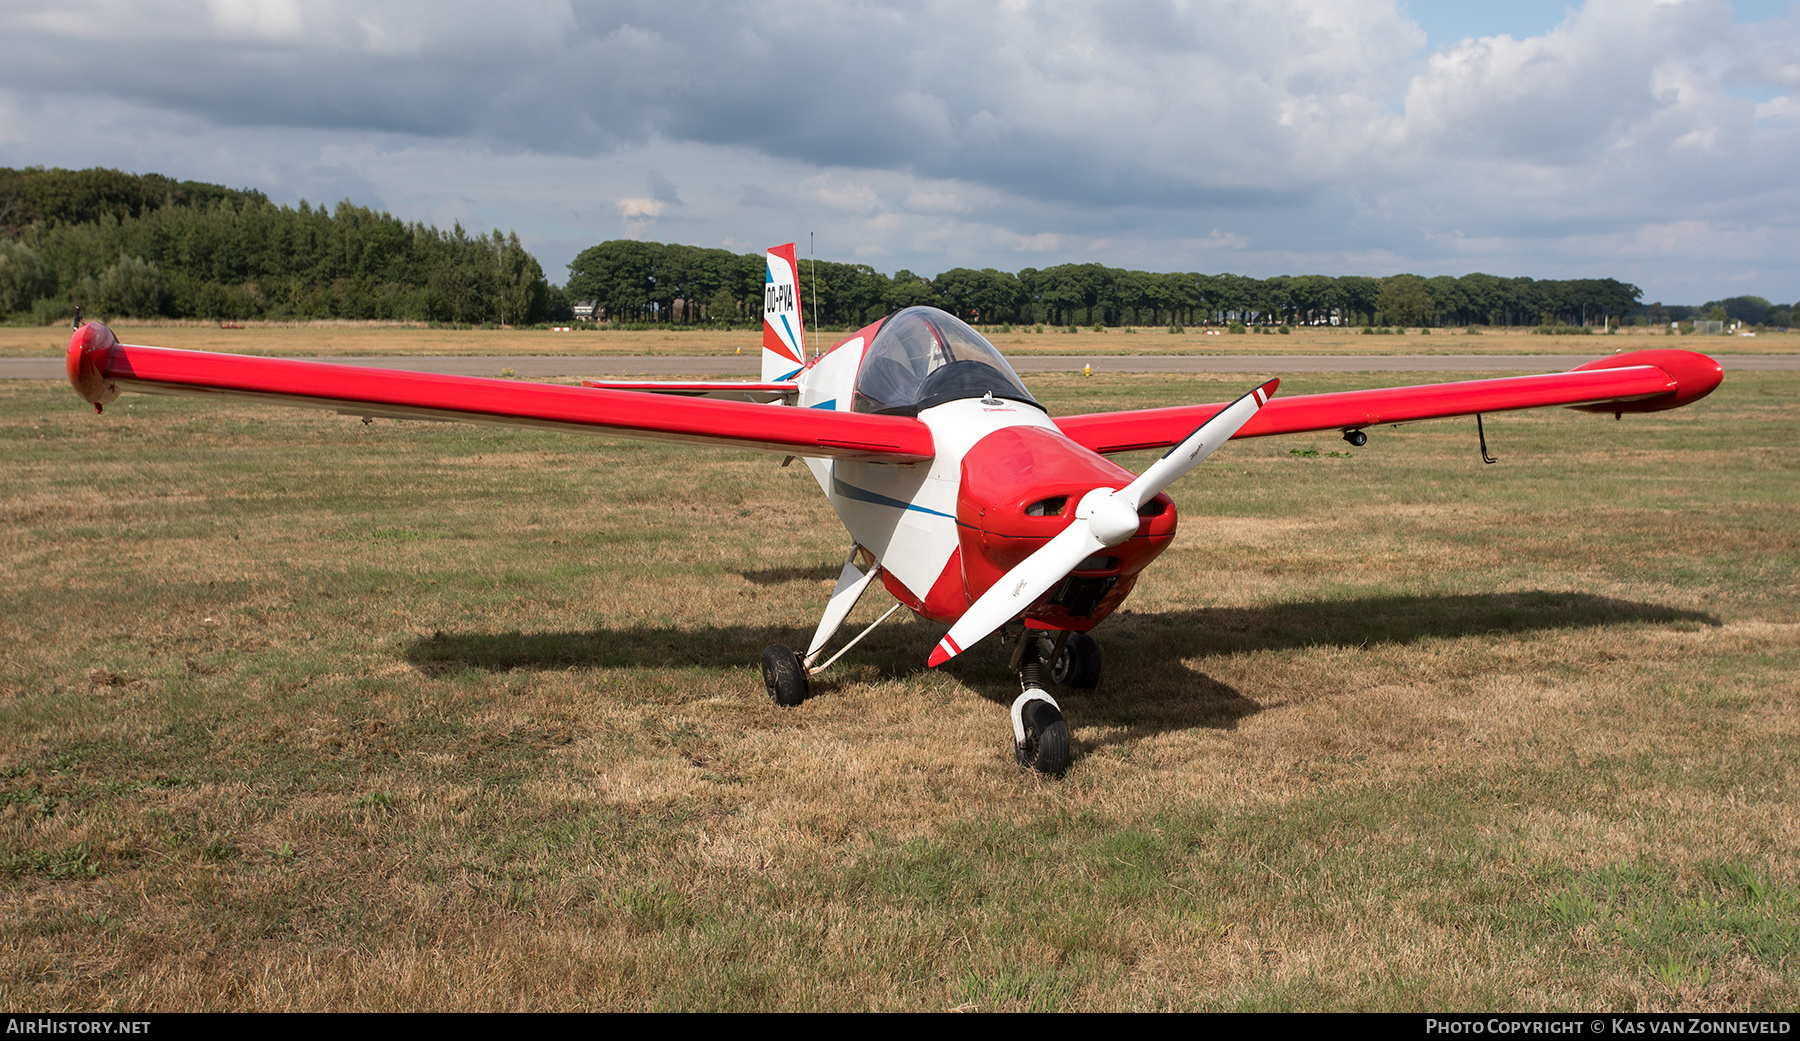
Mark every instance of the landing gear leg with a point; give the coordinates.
(1040, 736)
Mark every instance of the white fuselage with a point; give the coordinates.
(904, 514)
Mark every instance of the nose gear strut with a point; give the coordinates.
(1040, 735)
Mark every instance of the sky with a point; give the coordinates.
(1653, 141)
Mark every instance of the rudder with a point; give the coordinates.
(784, 342)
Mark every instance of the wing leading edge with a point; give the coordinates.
(100, 367)
(1637, 381)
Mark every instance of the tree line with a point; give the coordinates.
(1747, 310)
(135, 245)
(655, 282)
(140, 245)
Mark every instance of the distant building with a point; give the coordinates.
(589, 311)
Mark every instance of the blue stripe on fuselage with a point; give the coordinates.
(850, 491)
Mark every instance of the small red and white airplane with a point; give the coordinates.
(974, 506)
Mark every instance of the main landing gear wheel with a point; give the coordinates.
(785, 675)
(1045, 744)
(1078, 665)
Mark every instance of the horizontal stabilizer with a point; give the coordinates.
(718, 390)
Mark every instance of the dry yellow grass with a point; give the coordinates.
(301, 714)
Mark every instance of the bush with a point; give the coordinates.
(23, 276)
(49, 310)
(1235, 327)
(1176, 330)
(1284, 331)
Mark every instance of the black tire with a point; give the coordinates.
(1078, 666)
(1046, 747)
(785, 675)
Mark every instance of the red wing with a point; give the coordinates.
(1639, 381)
(100, 367)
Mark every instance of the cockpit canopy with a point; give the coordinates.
(923, 357)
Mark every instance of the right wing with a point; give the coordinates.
(100, 367)
(1637, 381)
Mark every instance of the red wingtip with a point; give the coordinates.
(1695, 376)
(90, 349)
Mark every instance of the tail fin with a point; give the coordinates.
(784, 343)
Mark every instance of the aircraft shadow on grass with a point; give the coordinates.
(1152, 644)
(778, 575)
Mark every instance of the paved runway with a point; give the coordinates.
(549, 367)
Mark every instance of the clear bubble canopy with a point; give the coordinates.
(924, 357)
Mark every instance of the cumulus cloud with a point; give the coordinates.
(1624, 114)
(638, 214)
(1289, 132)
(1146, 101)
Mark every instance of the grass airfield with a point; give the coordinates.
(304, 714)
(341, 339)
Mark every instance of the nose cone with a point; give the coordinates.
(1110, 518)
(1021, 487)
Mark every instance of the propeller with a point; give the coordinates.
(1103, 518)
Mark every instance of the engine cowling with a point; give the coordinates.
(1019, 489)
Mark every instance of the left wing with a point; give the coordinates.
(1636, 381)
(100, 367)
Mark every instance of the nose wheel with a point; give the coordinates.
(1040, 736)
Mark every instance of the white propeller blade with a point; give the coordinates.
(1194, 449)
(1034, 576)
(1104, 518)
